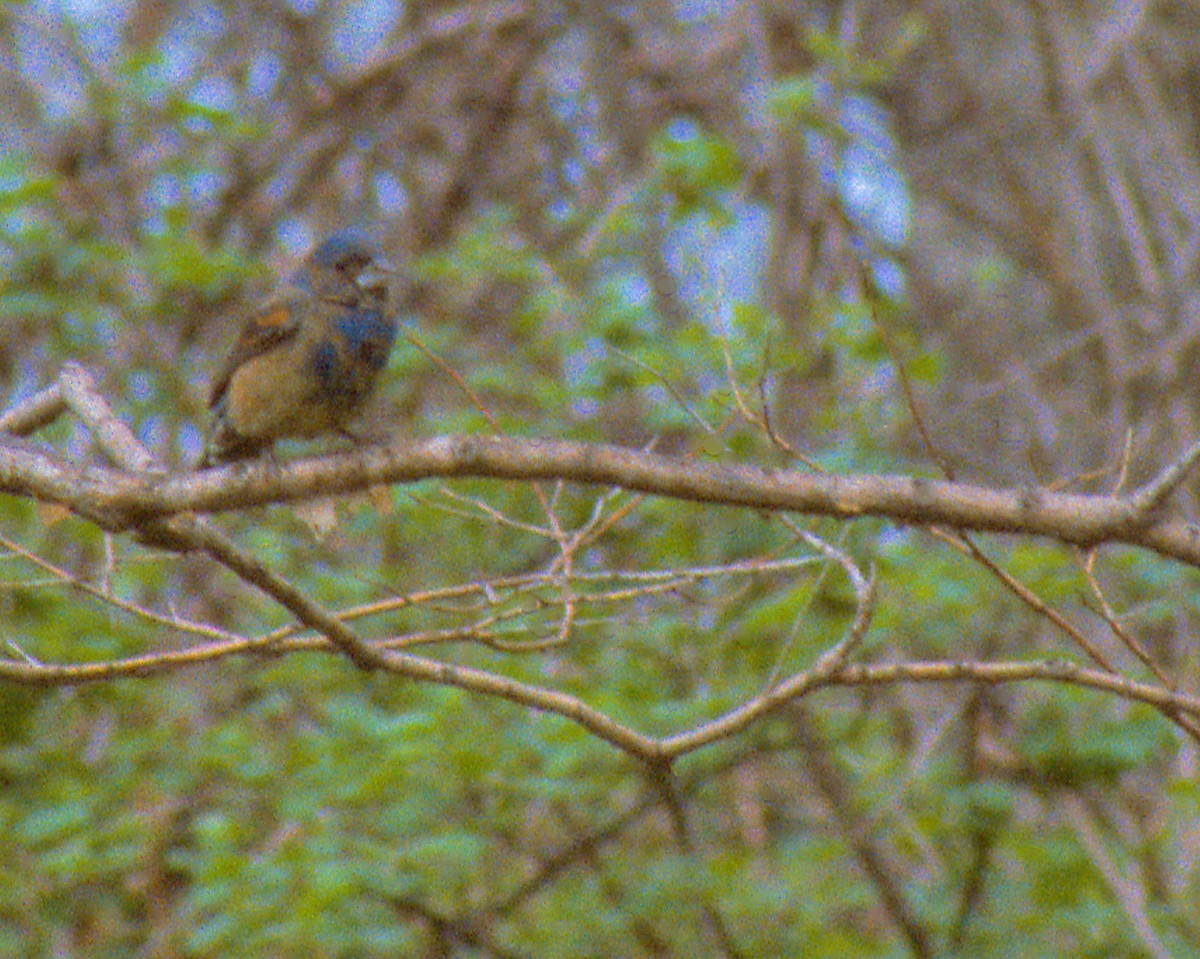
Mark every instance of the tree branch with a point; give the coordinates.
(156, 504)
(117, 500)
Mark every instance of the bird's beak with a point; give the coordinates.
(377, 276)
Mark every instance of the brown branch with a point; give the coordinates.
(663, 784)
(869, 852)
(793, 688)
(70, 581)
(1130, 896)
(41, 409)
(968, 547)
(1145, 502)
(147, 502)
(117, 500)
(1109, 615)
(628, 740)
(188, 533)
(1154, 494)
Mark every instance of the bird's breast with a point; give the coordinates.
(346, 363)
(368, 337)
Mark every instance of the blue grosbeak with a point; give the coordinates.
(308, 357)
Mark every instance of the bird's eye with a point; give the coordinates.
(353, 267)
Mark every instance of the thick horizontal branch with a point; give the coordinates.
(119, 500)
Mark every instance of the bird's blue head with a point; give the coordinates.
(347, 248)
(332, 269)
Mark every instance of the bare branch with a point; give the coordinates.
(117, 500)
(150, 503)
(1152, 496)
(41, 409)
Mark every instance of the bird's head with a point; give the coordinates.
(338, 265)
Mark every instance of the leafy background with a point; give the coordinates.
(767, 232)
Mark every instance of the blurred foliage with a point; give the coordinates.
(286, 806)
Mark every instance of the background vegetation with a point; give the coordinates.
(944, 240)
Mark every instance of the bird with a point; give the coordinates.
(307, 357)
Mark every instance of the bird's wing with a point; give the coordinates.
(273, 323)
